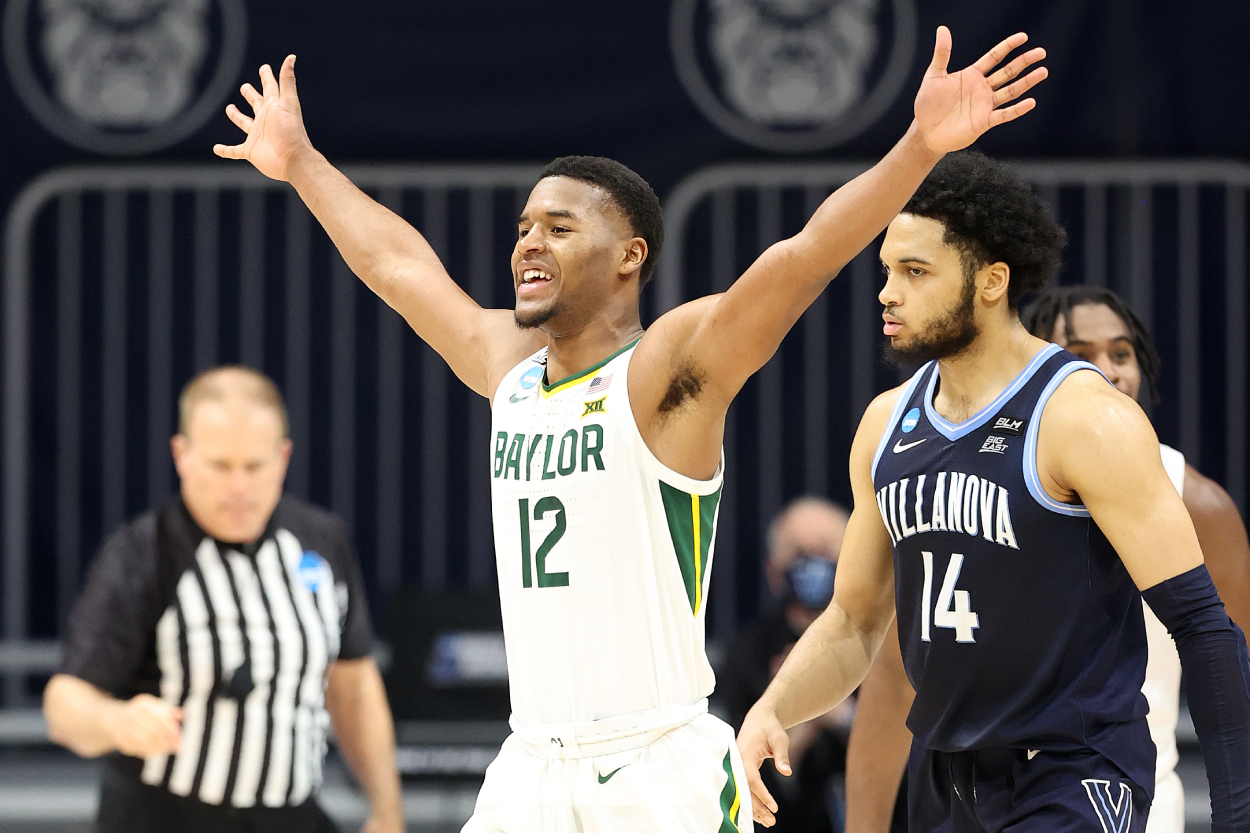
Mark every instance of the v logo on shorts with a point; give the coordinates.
(603, 779)
(1116, 815)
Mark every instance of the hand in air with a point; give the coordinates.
(760, 738)
(954, 109)
(275, 132)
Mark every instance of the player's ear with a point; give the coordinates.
(634, 256)
(997, 277)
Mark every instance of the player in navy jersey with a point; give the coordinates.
(1010, 503)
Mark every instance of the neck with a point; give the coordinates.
(570, 352)
(971, 379)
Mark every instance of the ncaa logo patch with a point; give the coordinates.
(530, 378)
(910, 420)
(311, 570)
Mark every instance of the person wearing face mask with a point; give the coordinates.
(1094, 324)
(219, 636)
(803, 545)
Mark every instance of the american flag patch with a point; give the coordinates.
(599, 383)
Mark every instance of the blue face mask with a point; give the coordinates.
(810, 579)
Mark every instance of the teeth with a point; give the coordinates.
(533, 275)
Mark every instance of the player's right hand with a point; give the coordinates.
(275, 132)
(760, 738)
(145, 726)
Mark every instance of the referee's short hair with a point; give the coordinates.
(217, 384)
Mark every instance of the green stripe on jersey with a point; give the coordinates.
(691, 524)
(730, 800)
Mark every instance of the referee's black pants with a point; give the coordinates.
(127, 805)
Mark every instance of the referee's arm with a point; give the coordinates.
(90, 722)
(356, 701)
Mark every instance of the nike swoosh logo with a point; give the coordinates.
(898, 446)
(515, 399)
(603, 779)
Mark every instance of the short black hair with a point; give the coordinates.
(1041, 313)
(628, 191)
(992, 215)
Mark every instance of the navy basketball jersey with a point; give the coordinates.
(1019, 624)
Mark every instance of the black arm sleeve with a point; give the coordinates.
(112, 626)
(357, 634)
(1217, 685)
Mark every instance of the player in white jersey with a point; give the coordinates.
(606, 452)
(1095, 324)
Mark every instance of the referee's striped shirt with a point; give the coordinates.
(240, 638)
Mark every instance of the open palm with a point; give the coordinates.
(954, 109)
(275, 132)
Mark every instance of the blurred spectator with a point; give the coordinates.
(803, 546)
(218, 636)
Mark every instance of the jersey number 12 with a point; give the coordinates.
(954, 607)
(541, 508)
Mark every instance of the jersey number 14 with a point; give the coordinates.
(541, 509)
(954, 607)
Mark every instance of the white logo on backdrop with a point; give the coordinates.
(124, 76)
(793, 75)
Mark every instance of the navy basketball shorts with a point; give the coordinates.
(1025, 791)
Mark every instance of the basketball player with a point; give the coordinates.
(606, 442)
(1009, 502)
(1094, 325)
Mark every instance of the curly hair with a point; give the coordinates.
(1041, 313)
(629, 192)
(991, 216)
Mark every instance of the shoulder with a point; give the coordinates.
(512, 346)
(876, 418)
(134, 544)
(312, 525)
(1085, 404)
(673, 328)
(1206, 499)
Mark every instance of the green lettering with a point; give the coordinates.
(501, 446)
(550, 504)
(595, 430)
(525, 543)
(513, 463)
(529, 458)
(548, 474)
(571, 434)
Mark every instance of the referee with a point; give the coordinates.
(218, 637)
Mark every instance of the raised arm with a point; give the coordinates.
(388, 254)
(877, 751)
(1222, 536)
(1096, 443)
(834, 654)
(737, 334)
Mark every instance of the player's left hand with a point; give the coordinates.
(762, 737)
(954, 109)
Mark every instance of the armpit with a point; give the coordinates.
(685, 387)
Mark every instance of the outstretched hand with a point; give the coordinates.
(275, 131)
(954, 109)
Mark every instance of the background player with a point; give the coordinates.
(1095, 325)
(607, 479)
(1006, 494)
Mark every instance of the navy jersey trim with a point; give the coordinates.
(897, 414)
(1031, 477)
(954, 431)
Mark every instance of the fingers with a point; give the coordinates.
(779, 743)
(269, 84)
(763, 805)
(941, 52)
(1015, 111)
(999, 53)
(241, 121)
(229, 151)
(1016, 67)
(286, 80)
(252, 97)
(1020, 87)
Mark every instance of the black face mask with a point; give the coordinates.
(810, 580)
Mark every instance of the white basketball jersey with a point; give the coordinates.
(1163, 665)
(603, 552)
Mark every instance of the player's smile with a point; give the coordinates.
(532, 279)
